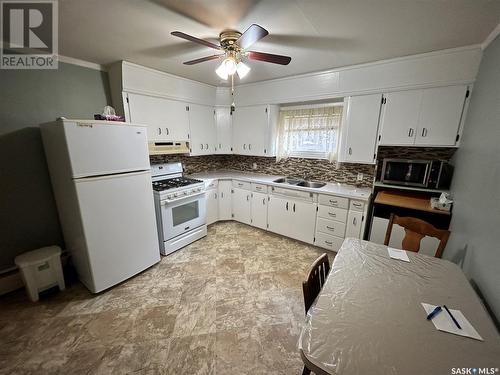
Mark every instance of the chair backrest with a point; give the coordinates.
(415, 230)
(315, 280)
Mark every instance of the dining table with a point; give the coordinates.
(368, 317)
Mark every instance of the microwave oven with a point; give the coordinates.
(430, 174)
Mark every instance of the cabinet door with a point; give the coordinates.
(212, 206)
(440, 115)
(354, 224)
(361, 129)
(167, 120)
(303, 220)
(223, 122)
(259, 210)
(251, 130)
(399, 118)
(203, 131)
(278, 216)
(242, 205)
(224, 199)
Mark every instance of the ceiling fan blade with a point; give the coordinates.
(202, 59)
(182, 35)
(251, 35)
(269, 57)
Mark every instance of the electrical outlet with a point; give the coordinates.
(360, 177)
(254, 166)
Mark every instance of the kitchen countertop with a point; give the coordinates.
(342, 190)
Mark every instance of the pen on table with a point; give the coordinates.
(452, 317)
(434, 312)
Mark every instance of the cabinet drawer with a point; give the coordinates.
(332, 213)
(213, 184)
(328, 242)
(335, 228)
(356, 205)
(242, 185)
(333, 201)
(260, 188)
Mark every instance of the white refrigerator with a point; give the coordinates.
(101, 178)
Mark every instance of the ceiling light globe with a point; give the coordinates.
(230, 66)
(242, 69)
(221, 71)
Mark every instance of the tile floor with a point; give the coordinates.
(230, 303)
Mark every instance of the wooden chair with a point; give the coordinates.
(415, 230)
(312, 286)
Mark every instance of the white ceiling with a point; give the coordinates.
(317, 34)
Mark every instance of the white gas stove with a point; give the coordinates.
(180, 207)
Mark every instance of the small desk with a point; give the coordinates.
(368, 318)
(407, 200)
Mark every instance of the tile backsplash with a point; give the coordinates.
(313, 169)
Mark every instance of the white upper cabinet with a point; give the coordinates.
(399, 118)
(428, 117)
(223, 123)
(360, 129)
(440, 116)
(254, 130)
(203, 132)
(167, 120)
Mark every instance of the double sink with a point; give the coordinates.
(299, 182)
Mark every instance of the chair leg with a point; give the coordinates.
(306, 371)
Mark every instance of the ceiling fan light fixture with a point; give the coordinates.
(242, 69)
(221, 71)
(230, 66)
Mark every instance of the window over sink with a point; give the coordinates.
(309, 131)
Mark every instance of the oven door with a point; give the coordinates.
(406, 172)
(183, 215)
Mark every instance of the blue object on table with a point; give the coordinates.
(434, 312)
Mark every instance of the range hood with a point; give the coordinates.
(165, 148)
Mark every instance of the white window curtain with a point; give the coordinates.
(309, 132)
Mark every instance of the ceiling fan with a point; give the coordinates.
(233, 46)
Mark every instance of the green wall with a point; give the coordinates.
(28, 216)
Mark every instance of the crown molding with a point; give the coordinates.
(491, 37)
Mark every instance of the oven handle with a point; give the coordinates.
(168, 201)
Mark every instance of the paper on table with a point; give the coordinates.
(443, 322)
(398, 254)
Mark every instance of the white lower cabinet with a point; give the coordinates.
(212, 206)
(319, 219)
(259, 210)
(224, 199)
(354, 224)
(242, 205)
(292, 218)
(338, 218)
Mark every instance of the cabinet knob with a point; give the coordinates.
(168, 132)
(350, 151)
(287, 206)
(244, 146)
(201, 146)
(330, 228)
(159, 131)
(206, 145)
(264, 201)
(354, 221)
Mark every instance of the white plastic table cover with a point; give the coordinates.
(368, 318)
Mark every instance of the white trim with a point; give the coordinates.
(83, 63)
(491, 37)
(369, 64)
(311, 106)
(124, 62)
